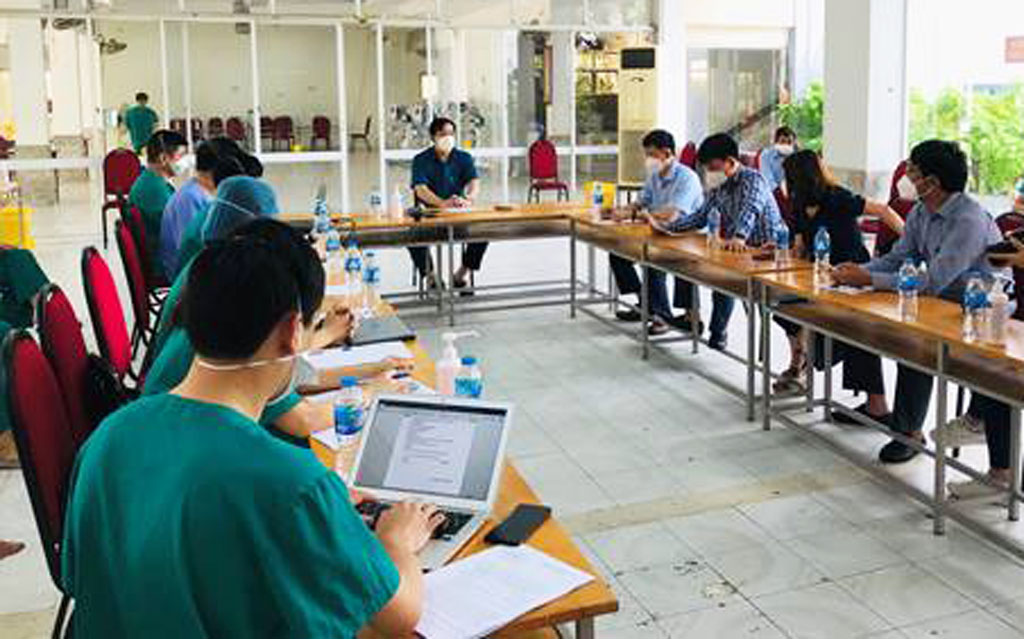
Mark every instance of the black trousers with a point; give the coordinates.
(913, 390)
(472, 257)
(628, 282)
(996, 416)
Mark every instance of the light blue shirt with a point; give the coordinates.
(951, 241)
(680, 189)
(180, 209)
(771, 166)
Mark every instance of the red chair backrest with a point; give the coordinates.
(120, 169)
(60, 334)
(321, 127)
(235, 129)
(266, 126)
(178, 125)
(283, 126)
(133, 274)
(106, 312)
(42, 433)
(215, 127)
(1008, 223)
(197, 129)
(688, 156)
(757, 160)
(886, 237)
(543, 160)
(150, 269)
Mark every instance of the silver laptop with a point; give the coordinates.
(441, 450)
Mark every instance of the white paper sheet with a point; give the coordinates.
(430, 455)
(331, 358)
(477, 595)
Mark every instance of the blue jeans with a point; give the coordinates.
(721, 308)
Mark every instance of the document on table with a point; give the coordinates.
(473, 597)
(343, 357)
(329, 438)
(430, 455)
(847, 290)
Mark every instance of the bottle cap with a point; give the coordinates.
(349, 381)
(468, 361)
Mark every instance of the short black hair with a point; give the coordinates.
(438, 124)
(240, 288)
(720, 146)
(142, 96)
(660, 139)
(943, 160)
(784, 131)
(163, 141)
(223, 158)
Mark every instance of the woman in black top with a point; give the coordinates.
(819, 201)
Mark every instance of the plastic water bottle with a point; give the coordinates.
(321, 215)
(348, 413)
(999, 311)
(396, 204)
(782, 244)
(908, 284)
(470, 380)
(375, 202)
(822, 258)
(332, 246)
(371, 282)
(714, 228)
(975, 302)
(598, 197)
(354, 269)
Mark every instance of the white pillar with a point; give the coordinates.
(671, 66)
(28, 78)
(562, 80)
(865, 80)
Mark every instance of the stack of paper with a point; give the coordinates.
(332, 358)
(477, 595)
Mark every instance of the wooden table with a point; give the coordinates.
(580, 606)
(931, 342)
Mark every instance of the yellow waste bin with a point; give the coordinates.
(16, 227)
(607, 188)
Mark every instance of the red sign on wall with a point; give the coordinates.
(1015, 49)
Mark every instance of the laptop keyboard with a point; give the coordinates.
(453, 521)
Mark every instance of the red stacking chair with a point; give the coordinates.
(266, 128)
(120, 169)
(321, 131)
(142, 330)
(363, 135)
(885, 238)
(46, 447)
(215, 127)
(757, 160)
(235, 130)
(60, 334)
(1008, 223)
(284, 131)
(155, 280)
(178, 126)
(688, 156)
(197, 130)
(543, 161)
(107, 314)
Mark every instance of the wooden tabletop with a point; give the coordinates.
(695, 245)
(441, 217)
(595, 598)
(937, 319)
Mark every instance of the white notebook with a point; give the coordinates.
(478, 595)
(345, 357)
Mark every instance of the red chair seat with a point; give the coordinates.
(549, 185)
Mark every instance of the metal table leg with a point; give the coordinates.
(695, 317)
(1015, 464)
(438, 269)
(613, 292)
(828, 380)
(585, 628)
(572, 269)
(766, 346)
(645, 294)
(591, 266)
(751, 348)
(451, 276)
(939, 525)
(809, 380)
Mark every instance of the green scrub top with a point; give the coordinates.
(186, 519)
(140, 122)
(150, 194)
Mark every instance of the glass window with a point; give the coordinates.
(406, 88)
(361, 104)
(493, 13)
(547, 12)
(480, 88)
(222, 103)
(530, 86)
(296, 184)
(597, 95)
(620, 13)
(602, 168)
(295, 93)
(405, 9)
(735, 90)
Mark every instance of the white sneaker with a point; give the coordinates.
(976, 490)
(962, 431)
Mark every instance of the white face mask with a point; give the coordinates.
(714, 179)
(905, 187)
(445, 143)
(784, 149)
(181, 166)
(653, 165)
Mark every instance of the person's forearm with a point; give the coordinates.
(886, 214)
(406, 606)
(305, 418)
(473, 190)
(424, 193)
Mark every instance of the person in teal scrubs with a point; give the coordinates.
(140, 120)
(152, 189)
(240, 200)
(187, 519)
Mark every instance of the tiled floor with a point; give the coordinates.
(706, 526)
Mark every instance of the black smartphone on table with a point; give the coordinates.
(518, 527)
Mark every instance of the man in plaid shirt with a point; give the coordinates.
(748, 215)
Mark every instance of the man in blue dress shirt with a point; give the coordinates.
(670, 191)
(748, 216)
(445, 177)
(773, 156)
(947, 230)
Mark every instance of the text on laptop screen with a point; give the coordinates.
(432, 449)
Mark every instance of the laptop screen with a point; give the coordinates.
(432, 449)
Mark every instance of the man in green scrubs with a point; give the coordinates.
(140, 120)
(187, 519)
(152, 189)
